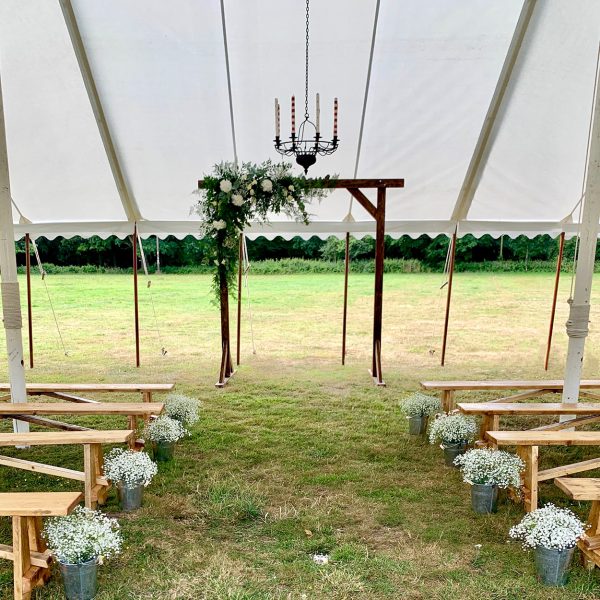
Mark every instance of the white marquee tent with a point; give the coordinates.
(156, 82)
(114, 109)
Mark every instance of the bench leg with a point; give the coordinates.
(489, 423)
(92, 465)
(132, 424)
(448, 400)
(22, 559)
(529, 455)
(147, 396)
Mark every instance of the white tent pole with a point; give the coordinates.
(482, 149)
(11, 301)
(577, 325)
(128, 201)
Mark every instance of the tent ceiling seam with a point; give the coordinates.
(483, 146)
(127, 200)
(226, 48)
(365, 99)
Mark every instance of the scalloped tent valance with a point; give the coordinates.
(115, 109)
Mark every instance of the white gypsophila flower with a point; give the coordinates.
(491, 467)
(182, 408)
(129, 468)
(82, 536)
(267, 185)
(549, 527)
(165, 430)
(420, 405)
(220, 224)
(225, 185)
(237, 199)
(452, 429)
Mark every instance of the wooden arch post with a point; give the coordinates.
(377, 211)
(345, 315)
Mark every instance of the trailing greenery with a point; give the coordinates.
(234, 196)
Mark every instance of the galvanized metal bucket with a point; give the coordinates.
(553, 565)
(131, 497)
(163, 452)
(451, 451)
(80, 581)
(484, 498)
(417, 425)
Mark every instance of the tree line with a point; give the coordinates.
(430, 252)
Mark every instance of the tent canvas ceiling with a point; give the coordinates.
(160, 71)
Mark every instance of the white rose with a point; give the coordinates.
(219, 224)
(291, 188)
(244, 177)
(225, 185)
(237, 199)
(252, 192)
(267, 185)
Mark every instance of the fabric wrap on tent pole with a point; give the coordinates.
(579, 318)
(11, 305)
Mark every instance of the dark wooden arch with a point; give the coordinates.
(377, 211)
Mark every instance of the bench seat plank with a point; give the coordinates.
(549, 384)
(70, 408)
(545, 438)
(93, 387)
(579, 488)
(58, 438)
(533, 408)
(38, 504)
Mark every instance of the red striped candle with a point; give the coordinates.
(335, 116)
(293, 115)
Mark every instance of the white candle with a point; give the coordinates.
(318, 115)
(335, 116)
(293, 115)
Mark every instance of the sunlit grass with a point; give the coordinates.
(299, 455)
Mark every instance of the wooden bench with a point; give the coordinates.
(31, 559)
(67, 391)
(587, 488)
(532, 389)
(491, 412)
(95, 485)
(528, 442)
(29, 411)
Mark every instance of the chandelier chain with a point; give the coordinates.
(306, 77)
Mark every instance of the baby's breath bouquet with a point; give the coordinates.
(83, 536)
(490, 467)
(549, 527)
(452, 429)
(420, 405)
(129, 468)
(165, 430)
(183, 409)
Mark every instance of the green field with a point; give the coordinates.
(298, 454)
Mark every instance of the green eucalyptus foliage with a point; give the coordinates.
(234, 196)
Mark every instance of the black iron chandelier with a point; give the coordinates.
(308, 142)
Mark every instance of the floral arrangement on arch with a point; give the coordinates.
(233, 196)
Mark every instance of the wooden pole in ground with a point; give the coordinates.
(345, 317)
(226, 365)
(378, 303)
(135, 298)
(561, 248)
(239, 299)
(29, 311)
(448, 295)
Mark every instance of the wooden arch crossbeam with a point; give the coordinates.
(377, 211)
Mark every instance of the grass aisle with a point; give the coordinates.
(298, 455)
